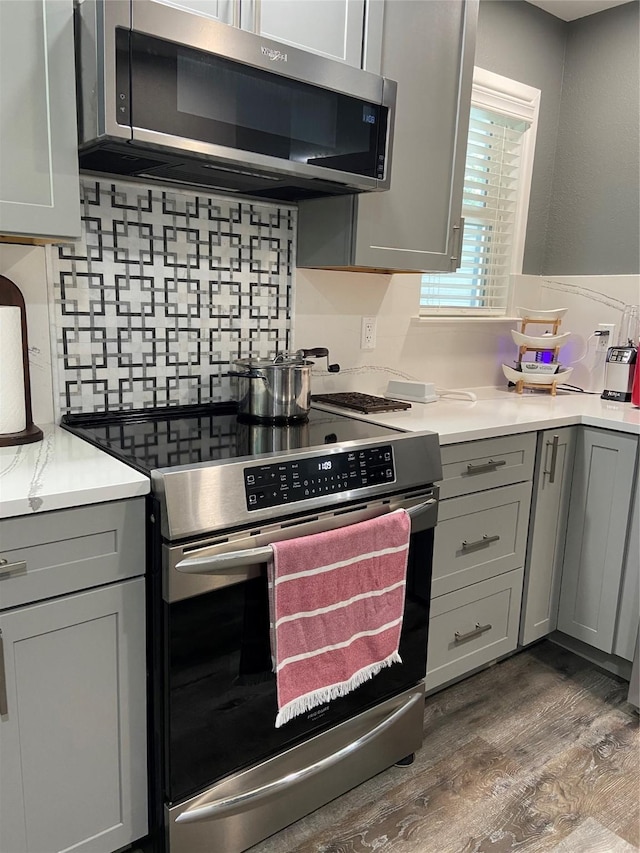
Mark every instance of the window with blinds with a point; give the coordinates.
(496, 190)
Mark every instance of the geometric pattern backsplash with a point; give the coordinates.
(163, 291)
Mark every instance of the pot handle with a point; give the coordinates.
(249, 374)
(321, 352)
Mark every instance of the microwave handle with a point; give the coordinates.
(223, 564)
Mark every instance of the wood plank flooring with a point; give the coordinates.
(540, 753)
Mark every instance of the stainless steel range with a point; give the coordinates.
(222, 776)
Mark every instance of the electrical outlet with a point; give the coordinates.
(605, 339)
(368, 333)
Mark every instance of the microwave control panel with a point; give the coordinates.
(302, 479)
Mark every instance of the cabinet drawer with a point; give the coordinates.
(480, 536)
(477, 465)
(53, 553)
(472, 626)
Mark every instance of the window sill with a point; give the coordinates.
(462, 318)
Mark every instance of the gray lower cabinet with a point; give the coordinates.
(547, 529)
(625, 639)
(428, 48)
(597, 543)
(472, 626)
(39, 187)
(73, 750)
(479, 553)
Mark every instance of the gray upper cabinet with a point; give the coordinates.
(332, 28)
(428, 48)
(597, 536)
(39, 188)
(225, 11)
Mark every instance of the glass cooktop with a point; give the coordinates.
(186, 435)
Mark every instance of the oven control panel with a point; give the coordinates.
(301, 479)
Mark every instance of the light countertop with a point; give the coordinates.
(62, 471)
(500, 411)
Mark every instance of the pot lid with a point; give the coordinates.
(283, 359)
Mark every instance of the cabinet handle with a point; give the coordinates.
(456, 249)
(491, 465)
(6, 567)
(479, 629)
(554, 458)
(479, 543)
(4, 706)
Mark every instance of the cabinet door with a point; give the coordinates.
(332, 28)
(480, 536)
(73, 763)
(549, 510)
(39, 187)
(625, 642)
(596, 536)
(428, 48)
(225, 11)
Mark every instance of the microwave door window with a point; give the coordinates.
(195, 95)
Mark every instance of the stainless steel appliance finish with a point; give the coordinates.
(278, 389)
(210, 496)
(229, 559)
(620, 367)
(223, 776)
(283, 789)
(114, 141)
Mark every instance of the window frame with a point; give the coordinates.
(521, 102)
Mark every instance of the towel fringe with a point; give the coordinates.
(333, 691)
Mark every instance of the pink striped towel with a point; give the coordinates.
(336, 605)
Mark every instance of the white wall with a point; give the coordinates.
(455, 353)
(450, 353)
(591, 299)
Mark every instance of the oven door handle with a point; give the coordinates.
(223, 564)
(240, 803)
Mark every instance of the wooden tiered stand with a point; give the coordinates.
(552, 384)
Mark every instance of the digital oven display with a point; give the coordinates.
(289, 482)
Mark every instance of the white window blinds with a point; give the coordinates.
(496, 187)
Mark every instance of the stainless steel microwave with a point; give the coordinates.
(168, 94)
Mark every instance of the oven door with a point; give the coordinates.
(221, 697)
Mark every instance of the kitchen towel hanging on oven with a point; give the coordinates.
(336, 604)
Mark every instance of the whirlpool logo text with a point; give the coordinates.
(274, 55)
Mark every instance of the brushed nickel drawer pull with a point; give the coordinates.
(479, 629)
(4, 705)
(6, 567)
(479, 543)
(491, 465)
(554, 458)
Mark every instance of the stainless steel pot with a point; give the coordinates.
(277, 390)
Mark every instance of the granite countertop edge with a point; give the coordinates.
(62, 471)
